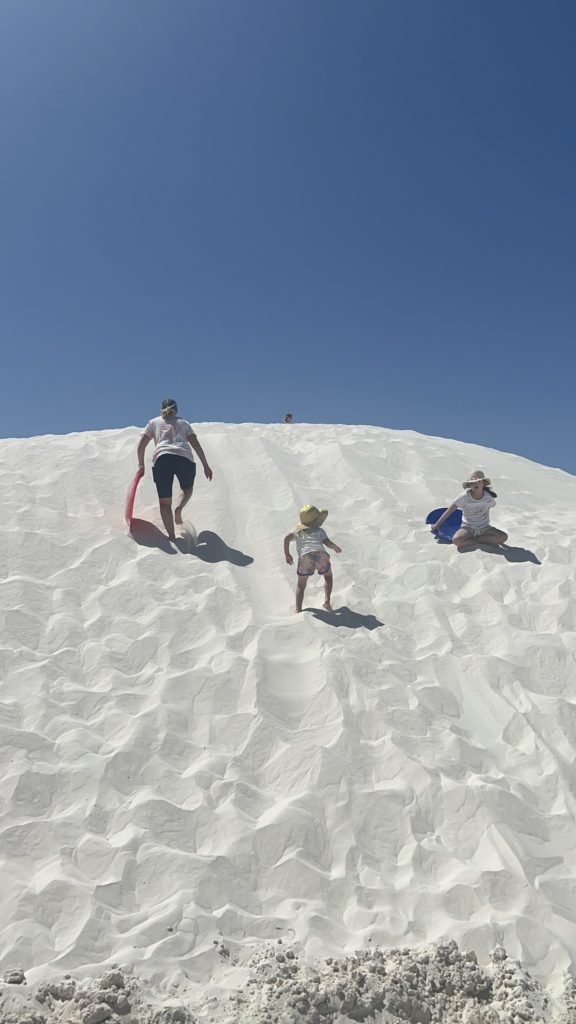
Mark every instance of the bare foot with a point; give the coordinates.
(327, 606)
(172, 539)
(178, 516)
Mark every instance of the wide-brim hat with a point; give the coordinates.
(477, 477)
(310, 516)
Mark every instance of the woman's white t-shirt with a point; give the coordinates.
(310, 540)
(475, 511)
(170, 436)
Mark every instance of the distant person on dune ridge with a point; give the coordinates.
(310, 543)
(288, 417)
(174, 439)
(475, 502)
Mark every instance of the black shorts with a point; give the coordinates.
(167, 467)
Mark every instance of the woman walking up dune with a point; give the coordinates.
(174, 440)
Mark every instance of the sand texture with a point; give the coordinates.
(191, 772)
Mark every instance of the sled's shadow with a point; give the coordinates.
(209, 547)
(345, 617)
(149, 536)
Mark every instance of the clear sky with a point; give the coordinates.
(361, 211)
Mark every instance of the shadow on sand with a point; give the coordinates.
(149, 536)
(507, 552)
(209, 547)
(345, 617)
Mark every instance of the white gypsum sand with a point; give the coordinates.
(190, 772)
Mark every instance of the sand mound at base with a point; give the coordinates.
(439, 985)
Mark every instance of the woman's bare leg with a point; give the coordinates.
(167, 517)
(185, 495)
(463, 539)
(492, 536)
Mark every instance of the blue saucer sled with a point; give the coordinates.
(449, 526)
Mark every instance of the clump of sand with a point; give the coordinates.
(436, 985)
(440, 985)
(117, 995)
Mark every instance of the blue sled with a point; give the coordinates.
(449, 526)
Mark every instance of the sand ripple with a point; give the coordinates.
(185, 761)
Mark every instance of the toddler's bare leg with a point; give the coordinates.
(328, 582)
(300, 588)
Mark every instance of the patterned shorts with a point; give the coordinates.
(314, 561)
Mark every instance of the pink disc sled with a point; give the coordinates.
(131, 497)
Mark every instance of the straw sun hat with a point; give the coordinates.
(476, 477)
(311, 517)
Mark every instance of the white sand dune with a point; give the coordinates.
(189, 769)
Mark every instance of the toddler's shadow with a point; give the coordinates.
(345, 617)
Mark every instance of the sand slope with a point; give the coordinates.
(184, 760)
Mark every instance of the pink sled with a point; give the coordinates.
(131, 497)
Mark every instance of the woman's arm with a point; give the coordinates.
(197, 447)
(142, 444)
(443, 517)
(287, 542)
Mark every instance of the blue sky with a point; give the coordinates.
(360, 211)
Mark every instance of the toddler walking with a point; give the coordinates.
(311, 541)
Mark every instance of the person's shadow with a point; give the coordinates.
(149, 536)
(509, 553)
(505, 551)
(209, 547)
(345, 617)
